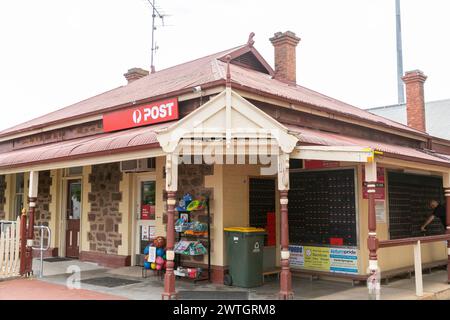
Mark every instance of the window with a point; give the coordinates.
(19, 194)
(409, 198)
(74, 171)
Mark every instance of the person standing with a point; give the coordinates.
(438, 212)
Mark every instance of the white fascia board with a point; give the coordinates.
(344, 153)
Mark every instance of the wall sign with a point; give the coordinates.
(333, 260)
(156, 112)
(380, 185)
(320, 164)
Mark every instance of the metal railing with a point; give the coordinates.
(417, 243)
(41, 246)
(5, 224)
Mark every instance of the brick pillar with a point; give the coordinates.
(285, 276)
(447, 200)
(415, 99)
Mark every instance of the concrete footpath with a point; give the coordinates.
(127, 283)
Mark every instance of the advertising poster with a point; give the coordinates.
(344, 260)
(144, 233)
(317, 258)
(337, 260)
(296, 257)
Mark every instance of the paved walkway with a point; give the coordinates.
(53, 286)
(33, 289)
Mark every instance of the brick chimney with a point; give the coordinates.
(135, 74)
(415, 99)
(285, 57)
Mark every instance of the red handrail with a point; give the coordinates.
(412, 241)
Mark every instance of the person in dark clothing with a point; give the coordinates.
(438, 212)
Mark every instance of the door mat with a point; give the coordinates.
(213, 295)
(109, 282)
(57, 259)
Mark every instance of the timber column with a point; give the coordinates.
(286, 292)
(447, 201)
(374, 280)
(171, 188)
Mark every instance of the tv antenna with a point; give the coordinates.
(156, 14)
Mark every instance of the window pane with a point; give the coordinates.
(18, 204)
(148, 192)
(75, 171)
(74, 200)
(19, 182)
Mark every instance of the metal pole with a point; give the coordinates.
(42, 254)
(401, 91)
(152, 66)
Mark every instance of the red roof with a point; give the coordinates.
(105, 143)
(315, 137)
(203, 71)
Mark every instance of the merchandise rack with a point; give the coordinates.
(202, 239)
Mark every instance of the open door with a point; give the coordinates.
(73, 218)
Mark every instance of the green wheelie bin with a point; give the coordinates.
(245, 247)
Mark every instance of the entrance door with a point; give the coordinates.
(146, 219)
(73, 214)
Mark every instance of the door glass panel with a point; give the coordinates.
(74, 200)
(148, 200)
(18, 197)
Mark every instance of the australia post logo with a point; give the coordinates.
(155, 112)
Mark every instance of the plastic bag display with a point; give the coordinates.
(190, 248)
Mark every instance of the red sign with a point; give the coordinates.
(320, 164)
(380, 185)
(337, 242)
(156, 112)
(147, 212)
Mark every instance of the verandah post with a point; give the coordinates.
(171, 188)
(447, 200)
(372, 241)
(283, 186)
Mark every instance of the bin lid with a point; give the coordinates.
(245, 229)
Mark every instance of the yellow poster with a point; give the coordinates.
(317, 258)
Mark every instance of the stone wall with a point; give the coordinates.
(42, 212)
(191, 178)
(104, 217)
(2, 197)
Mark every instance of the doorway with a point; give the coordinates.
(262, 214)
(73, 215)
(146, 215)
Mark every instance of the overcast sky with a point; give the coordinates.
(56, 52)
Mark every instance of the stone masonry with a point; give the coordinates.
(42, 213)
(2, 197)
(104, 217)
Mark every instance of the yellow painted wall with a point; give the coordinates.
(125, 208)
(161, 205)
(55, 208)
(86, 208)
(236, 200)
(216, 210)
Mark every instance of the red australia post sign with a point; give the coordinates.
(155, 112)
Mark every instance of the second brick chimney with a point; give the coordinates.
(415, 99)
(135, 74)
(285, 56)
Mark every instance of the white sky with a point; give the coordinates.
(56, 52)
